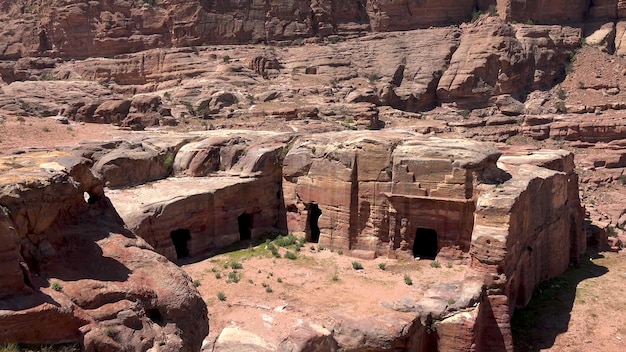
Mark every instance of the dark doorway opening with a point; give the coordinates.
(425, 244)
(245, 226)
(314, 215)
(180, 238)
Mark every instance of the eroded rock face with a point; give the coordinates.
(228, 190)
(71, 263)
(480, 68)
(76, 29)
(363, 186)
(396, 194)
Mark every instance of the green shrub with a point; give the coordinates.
(221, 296)
(56, 286)
(357, 266)
(279, 280)
(196, 283)
(168, 161)
(435, 264)
(273, 250)
(236, 265)
(234, 276)
(10, 347)
(382, 266)
(407, 280)
(291, 255)
(268, 289)
(560, 107)
(218, 275)
(285, 241)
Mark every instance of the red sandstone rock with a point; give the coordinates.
(480, 68)
(91, 280)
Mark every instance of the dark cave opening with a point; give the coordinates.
(245, 226)
(425, 243)
(314, 229)
(181, 238)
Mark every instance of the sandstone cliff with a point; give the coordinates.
(77, 29)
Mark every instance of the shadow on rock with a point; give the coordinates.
(89, 251)
(548, 313)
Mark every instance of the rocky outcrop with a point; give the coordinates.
(559, 11)
(71, 266)
(355, 191)
(480, 68)
(388, 15)
(216, 172)
(515, 248)
(76, 29)
(395, 194)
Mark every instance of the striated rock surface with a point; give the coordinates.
(71, 266)
(74, 29)
(221, 168)
(394, 194)
(497, 58)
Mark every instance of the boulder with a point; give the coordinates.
(480, 68)
(93, 282)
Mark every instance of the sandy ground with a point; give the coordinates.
(273, 294)
(583, 310)
(20, 133)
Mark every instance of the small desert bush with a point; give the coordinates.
(234, 276)
(357, 266)
(221, 296)
(407, 280)
(56, 286)
(382, 266)
(291, 255)
(435, 264)
(286, 241)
